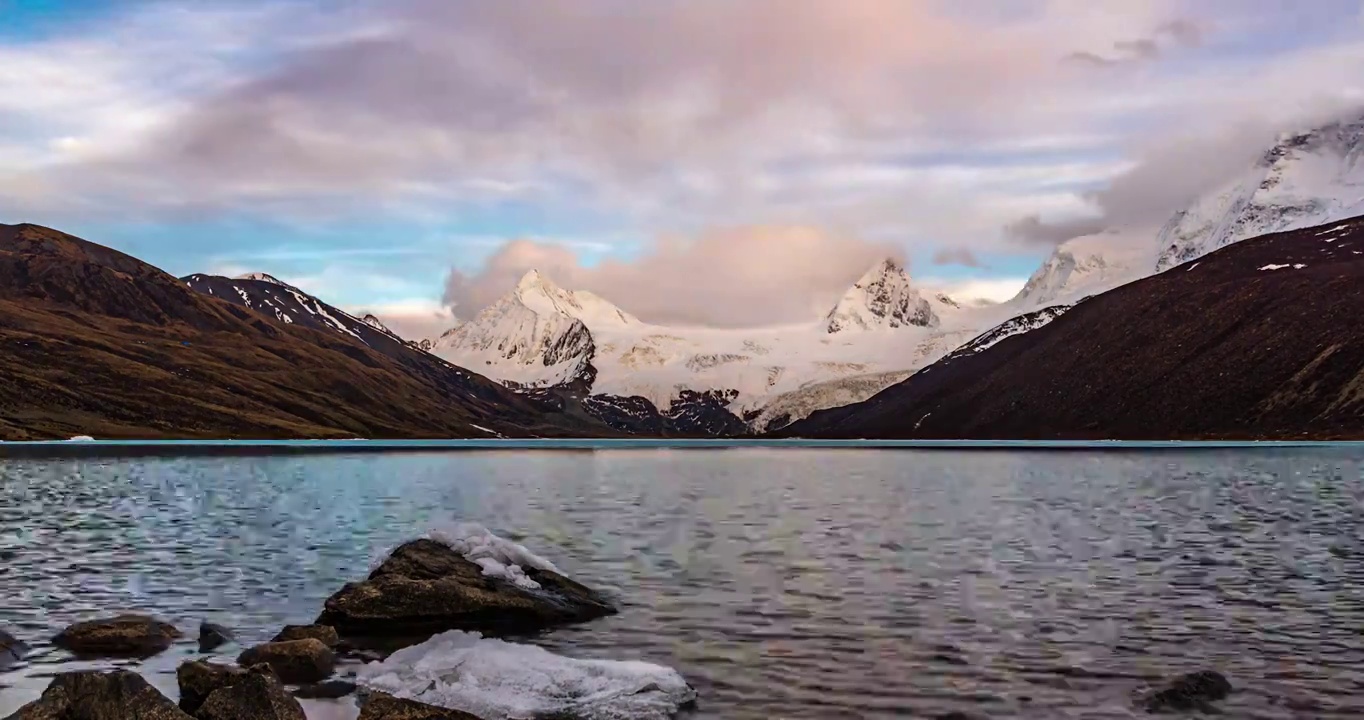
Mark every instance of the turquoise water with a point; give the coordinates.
(174, 446)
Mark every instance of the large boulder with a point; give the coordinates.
(122, 636)
(382, 706)
(326, 634)
(92, 695)
(198, 679)
(294, 661)
(425, 587)
(12, 650)
(257, 696)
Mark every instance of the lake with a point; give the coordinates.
(782, 582)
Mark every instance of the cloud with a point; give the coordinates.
(1167, 36)
(734, 277)
(978, 291)
(957, 256)
(413, 319)
(1167, 176)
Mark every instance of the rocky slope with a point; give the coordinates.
(1258, 339)
(96, 342)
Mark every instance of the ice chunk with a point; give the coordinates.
(1272, 266)
(81, 438)
(497, 556)
(495, 679)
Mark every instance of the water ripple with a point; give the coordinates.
(783, 583)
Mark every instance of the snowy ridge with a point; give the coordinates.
(491, 678)
(1307, 178)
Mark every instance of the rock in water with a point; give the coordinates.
(426, 587)
(12, 651)
(294, 661)
(326, 634)
(122, 636)
(256, 696)
(93, 695)
(211, 637)
(1194, 691)
(382, 706)
(198, 679)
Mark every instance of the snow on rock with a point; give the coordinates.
(498, 680)
(882, 298)
(497, 556)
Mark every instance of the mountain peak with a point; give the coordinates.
(883, 297)
(263, 277)
(530, 279)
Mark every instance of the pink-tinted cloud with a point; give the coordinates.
(732, 277)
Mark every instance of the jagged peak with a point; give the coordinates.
(542, 295)
(883, 297)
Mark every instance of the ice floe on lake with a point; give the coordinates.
(495, 679)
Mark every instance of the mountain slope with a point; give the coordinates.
(99, 343)
(1305, 179)
(1259, 339)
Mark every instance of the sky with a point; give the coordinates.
(722, 162)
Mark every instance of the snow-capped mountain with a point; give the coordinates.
(536, 336)
(882, 298)
(1306, 179)
(541, 335)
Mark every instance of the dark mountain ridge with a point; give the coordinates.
(96, 342)
(1259, 339)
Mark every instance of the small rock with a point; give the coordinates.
(12, 651)
(94, 695)
(256, 696)
(324, 633)
(1190, 692)
(212, 636)
(381, 706)
(122, 636)
(294, 661)
(198, 679)
(328, 690)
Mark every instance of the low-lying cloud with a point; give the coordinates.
(735, 277)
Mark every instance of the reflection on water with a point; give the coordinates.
(783, 583)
